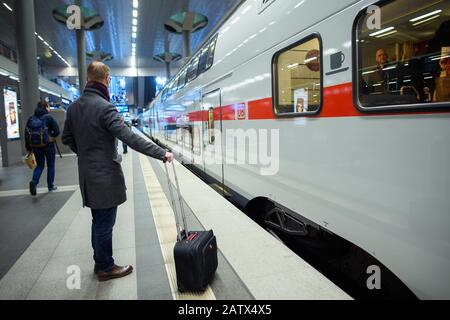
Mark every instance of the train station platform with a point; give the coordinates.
(43, 239)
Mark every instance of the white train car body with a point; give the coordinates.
(379, 178)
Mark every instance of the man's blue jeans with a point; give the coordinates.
(103, 221)
(49, 153)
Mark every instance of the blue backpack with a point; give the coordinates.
(37, 130)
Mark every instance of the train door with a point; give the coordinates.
(212, 136)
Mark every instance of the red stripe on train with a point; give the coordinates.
(260, 109)
(228, 112)
(198, 116)
(337, 103)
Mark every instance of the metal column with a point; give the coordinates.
(81, 51)
(27, 56)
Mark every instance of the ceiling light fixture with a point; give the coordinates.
(426, 20)
(134, 30)
(381, 31)
(7, 7)
(426, 15)
(51, 48)
(386, 34)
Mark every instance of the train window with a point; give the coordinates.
(182, 79)
(192, 71)
(405, 61)
(211, 52)
(202, 61)
(175, 85)
(164, 94)
(298, 77)
(211, 136)
(171, 88)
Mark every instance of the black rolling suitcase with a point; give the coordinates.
(195, 252)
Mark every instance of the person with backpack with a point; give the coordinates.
(40, 138)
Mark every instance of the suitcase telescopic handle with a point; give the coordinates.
(180, 200)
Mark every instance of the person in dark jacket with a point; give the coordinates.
(43, 153)
(91, 129)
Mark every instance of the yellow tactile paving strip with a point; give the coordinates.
(164, 218)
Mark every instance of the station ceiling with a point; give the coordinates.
(115, 35)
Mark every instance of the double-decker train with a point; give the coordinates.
(348, 103)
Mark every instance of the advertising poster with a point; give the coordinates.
(300, 100)
(12, 114)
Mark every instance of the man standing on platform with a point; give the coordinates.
(91, 129)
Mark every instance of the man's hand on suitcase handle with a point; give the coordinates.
(168, 157)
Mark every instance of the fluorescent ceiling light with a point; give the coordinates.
(299, 4)
(135, 13)
(246, 9)
(135, 4)
(292, 65)
(235, 20)
(135, 22)
(426, 20)
(381, 32)
(134, 35)
(134, 28)
(426, 15)
(4, 74)
(440, 57)
(390, 68)
(133, 45)
(310, 59)
(386, 34)
(7, 7)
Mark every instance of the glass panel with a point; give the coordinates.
(406, 61)
(299, 79)
(212, 49)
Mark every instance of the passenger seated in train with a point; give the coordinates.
(380, 77)
(408, 61)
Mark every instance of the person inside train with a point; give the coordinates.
(442, 90)
(410, 74)
(436, 46)
(378, 81)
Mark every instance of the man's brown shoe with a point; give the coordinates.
(115, 273)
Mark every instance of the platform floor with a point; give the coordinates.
(43, 238)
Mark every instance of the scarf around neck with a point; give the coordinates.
(99, 87)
